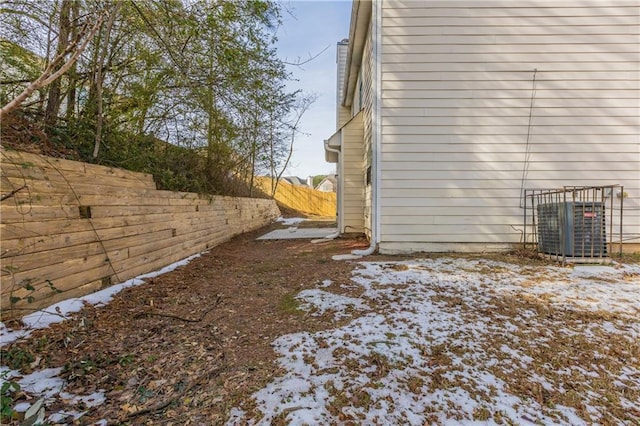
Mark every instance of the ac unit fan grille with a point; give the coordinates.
(574, 229)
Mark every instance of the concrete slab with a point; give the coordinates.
(298, 233)
(346, 256)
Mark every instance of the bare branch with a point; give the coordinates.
(299, 62)
(12, 193)
(49, 75)
(303, 105)
(19, 81)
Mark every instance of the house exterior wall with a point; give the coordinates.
(352, 165)
(325, 186)
(465, 128)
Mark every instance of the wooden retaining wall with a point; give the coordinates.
(80, 227)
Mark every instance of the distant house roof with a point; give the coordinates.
(295, 180)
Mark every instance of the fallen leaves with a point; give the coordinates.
(189, 345)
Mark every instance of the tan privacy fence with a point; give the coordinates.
(70, 228)
(301, 198)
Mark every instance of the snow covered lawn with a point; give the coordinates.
(439, 341)
(459, 341)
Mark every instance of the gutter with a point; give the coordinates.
(376, 143)
(360, 14)
(338, 152)
(345, 84)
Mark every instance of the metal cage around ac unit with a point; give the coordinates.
(573, 223)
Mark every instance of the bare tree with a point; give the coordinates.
(54, 99)
(100, 78)
(72, 74)
(299, 109)
(52, 72)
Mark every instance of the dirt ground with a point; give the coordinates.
(191, 344)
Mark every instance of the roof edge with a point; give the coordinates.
(360, 18)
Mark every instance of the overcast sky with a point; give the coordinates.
(309, 28)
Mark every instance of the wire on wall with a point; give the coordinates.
(527, 150)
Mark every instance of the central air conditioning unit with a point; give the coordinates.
(572, 229)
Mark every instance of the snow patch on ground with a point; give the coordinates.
(63, 417)
(47, 384)
(422, 350)
(325, 283)
(290, 221)
(43, 383)
(594, 287)
(93, 400)
(322, 301)
(345, 256)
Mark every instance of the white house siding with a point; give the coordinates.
(367, 105)
(352, 175)
(457, 80)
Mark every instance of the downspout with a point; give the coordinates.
(337, 233)
(377, 133)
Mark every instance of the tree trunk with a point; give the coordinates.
(71, 93)
(54, 99)
(254, 152)
(300, 109)
(272, 160)
(253, 172)
(100, 78)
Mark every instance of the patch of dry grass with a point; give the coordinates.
(568, 357)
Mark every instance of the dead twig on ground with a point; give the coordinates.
(164, 404)
(158, 314)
